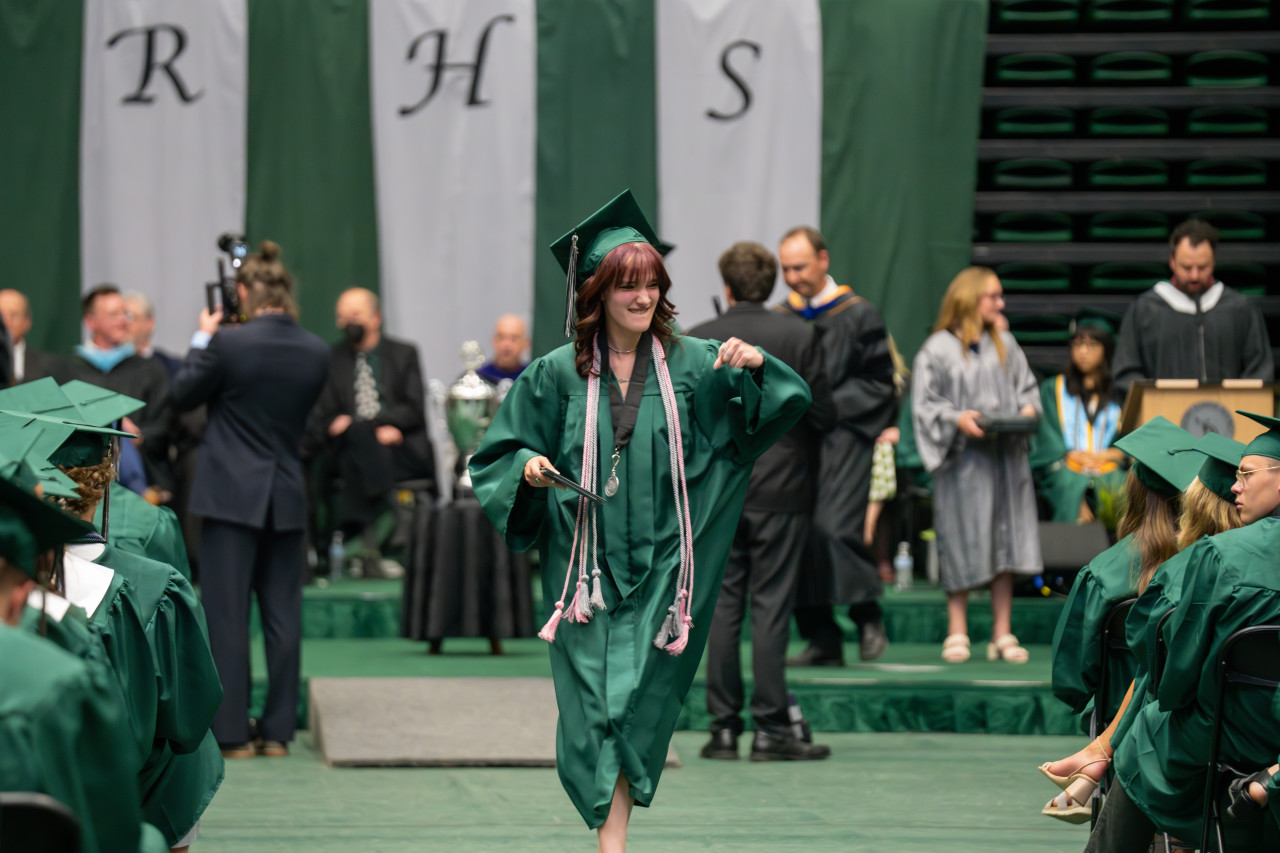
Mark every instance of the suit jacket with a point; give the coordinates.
(783, 478)
(37, 365)
(259, 380)
(400, 390)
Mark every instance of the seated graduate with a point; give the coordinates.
(64, 730)
(1149, 530)
(183, 766)
(1073, 452)
(1224, 583)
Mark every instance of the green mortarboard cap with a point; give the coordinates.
(79, 444)
(99, 406)
(1097, 319)
(1268, 443)
(1158, 464)
(29, 526)
(34, 440)
(42, 397)
(582, 249)
(1222, 458)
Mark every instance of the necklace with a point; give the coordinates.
(612, 348)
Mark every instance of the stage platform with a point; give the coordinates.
(370, 609)
(909, 689)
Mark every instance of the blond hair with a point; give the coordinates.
(1204, 513)
(1152, 520)
(959, 313)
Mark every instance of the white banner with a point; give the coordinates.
(162, 149)
(453, 125)
(739, 132)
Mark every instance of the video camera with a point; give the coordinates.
(222, 293)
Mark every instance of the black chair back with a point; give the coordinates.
(1115, 647)
(36, 823)
(1247, 657)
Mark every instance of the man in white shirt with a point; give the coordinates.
(28, 364)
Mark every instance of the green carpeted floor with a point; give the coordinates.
(906, 793)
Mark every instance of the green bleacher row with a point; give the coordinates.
(1119, 277)
(1210, 68)
(1127, 226)
(1239, 121)
(1047, 173)
(1120, 13)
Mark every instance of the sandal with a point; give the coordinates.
(955, 649)
(1007, 649)
(1242, 803)
(1063, 781)
(1075, 803)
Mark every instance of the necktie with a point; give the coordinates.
(367, 403)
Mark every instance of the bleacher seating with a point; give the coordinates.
(1107, 122)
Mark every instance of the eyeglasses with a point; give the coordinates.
(1241, 476)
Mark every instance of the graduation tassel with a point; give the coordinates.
(597, 597)
(681, 633)
(571, 288)
(668, 629)
(548, 631)
(580, 608)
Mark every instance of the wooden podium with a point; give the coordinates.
(1200, 408)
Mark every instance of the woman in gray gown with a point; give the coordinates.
(984, 503)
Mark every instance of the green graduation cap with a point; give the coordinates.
(28, 525)
(1222, 458)
(34, 440)
(1158, 463)
(582, 249)
(1268, 443)
(44, 401)
(42, 397)
(99, 406)
(1091, 317)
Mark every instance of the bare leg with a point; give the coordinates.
(1001, 605)
(1259, 792)
(1100, 747)
(869, 523)
(613, 835)
(958, 612)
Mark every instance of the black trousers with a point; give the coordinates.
(818, 625)
(1123, 827)
(763, 565)
(239, 561)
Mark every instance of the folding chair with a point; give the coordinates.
(1114, 649)
(36, 823)
(1248, 657)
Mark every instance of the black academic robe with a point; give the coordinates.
(1167, 335)
(855, 348)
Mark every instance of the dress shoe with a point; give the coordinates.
(815, 656)
(768, 747)
(723, 745)
(238, 750)
(872, 640)
(272, 748)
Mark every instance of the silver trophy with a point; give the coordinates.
(469, 409)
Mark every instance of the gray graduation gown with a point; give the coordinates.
(984, 503)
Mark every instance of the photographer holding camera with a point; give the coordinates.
(260, 380)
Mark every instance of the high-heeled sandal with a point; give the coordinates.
(1242, 803)
(1077, 797)
(955, 649)
(1007, 649)
(1063, 781)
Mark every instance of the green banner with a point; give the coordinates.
(596, 132)
(310, 150)
(40, 164)
(902, 94)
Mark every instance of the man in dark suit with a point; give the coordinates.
(25, 364)
(773, 532)
(259, 381)
(371, 417)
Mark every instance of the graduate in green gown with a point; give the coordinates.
(700, 413)
(63, 725)
(1073, 449)
(1224, 582)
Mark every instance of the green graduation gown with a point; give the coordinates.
(1228, 582)
(142, 528)
(63, 733)
(1108, 579)
(618, 695)
(183, 769)
(1062, 488)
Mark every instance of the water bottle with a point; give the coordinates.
(903, 566)
(799, 725)
(337, 555)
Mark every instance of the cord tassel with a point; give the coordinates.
(597, 597)
(684, 622)
(668, 629)
(548, 631)
(580, 609)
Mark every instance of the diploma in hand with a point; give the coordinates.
(569, 484)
